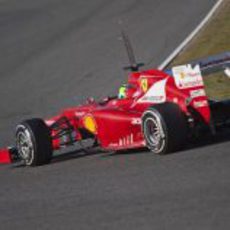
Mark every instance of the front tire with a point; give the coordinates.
(34, 143)
(164, 128)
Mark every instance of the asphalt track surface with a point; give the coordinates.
(53, 54)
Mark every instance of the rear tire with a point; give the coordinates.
(164, 128)
(34, 143)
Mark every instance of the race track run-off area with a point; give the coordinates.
(56, 53)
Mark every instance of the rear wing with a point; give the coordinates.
(212, 64)
(188, 79)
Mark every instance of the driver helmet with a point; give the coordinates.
(126, 91)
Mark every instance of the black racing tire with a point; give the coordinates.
(34, 142)
(165, 128)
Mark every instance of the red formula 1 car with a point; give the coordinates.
(156, 109)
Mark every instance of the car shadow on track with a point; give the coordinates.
(75, 154)
(62, 156)
(209, 140)
(195, 144)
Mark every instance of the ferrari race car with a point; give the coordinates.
(156, 109)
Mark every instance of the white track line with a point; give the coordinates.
(190, 36)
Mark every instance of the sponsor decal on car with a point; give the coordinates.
(187, 76)
(198, 104)
(144, 84)
(197, 93)
(155, 94)
(136, 121)
(79, 113)
(90, 123)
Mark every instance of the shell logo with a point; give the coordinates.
(90, 123)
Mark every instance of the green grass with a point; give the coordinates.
(213, 39)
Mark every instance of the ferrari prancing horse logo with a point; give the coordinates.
(144, 84)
